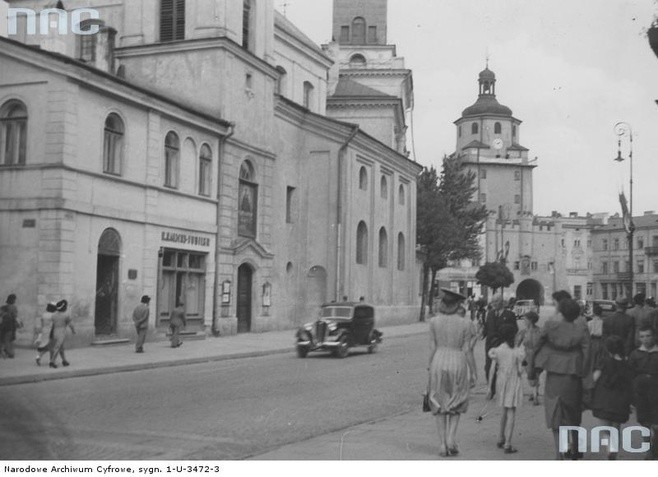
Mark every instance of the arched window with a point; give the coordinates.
(359, 31)
(514, 131)
(401, 251)
(13, 133)
(308, 95)
(357, 61)
(459, 131)
(498, 128)
(281, 82)
(362, 243)
(172, 160)
(383, 248)
(205, 170)
(401, 195)
(113, 144)
(474, 128)
(363, 178)
(246, 24)
(384, 188)
(172, 20)
(247, 201)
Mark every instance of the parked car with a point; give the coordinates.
(607, 306)
(341, 326)
(524, 306)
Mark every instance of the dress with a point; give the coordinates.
(529, 338)
(451, 337)
(509, 387)
(613, 390)
(61, 320)
(43, 331)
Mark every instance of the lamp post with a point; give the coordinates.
(623, 129)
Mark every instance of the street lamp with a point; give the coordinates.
(623, 129)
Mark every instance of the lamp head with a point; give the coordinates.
(619, 158)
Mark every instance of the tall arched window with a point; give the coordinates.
(363, 178)
(113, 144)
(474, 128)
(514, 131)
(401, 251)
(308, 95)
(498, 128)
(205, 170)
(247, 201)
(281, 82)
(383, 248)
(13, 133)
(172, 159)
(359, 31)
(357, 61)
(246, 24)
(362, 243)
(172, 20)
(384, 188)
(401, 195)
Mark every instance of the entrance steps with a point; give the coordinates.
(190, 335)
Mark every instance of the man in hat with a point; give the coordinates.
(141, 320)
(497, 317)
(621, 325)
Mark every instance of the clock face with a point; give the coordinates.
(497, 143)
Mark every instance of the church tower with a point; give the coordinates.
(360, 22)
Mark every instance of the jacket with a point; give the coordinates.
(563, 348)
(141, 316)
(622, 325)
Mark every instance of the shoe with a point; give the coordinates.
(532, 398)
(140, 350)
(511, 450)
(38, 360)
(500, 444)
(453, 451)
(65, 363)
(52, 365)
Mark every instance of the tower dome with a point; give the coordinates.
(487, 104)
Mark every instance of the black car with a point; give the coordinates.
(341, 326)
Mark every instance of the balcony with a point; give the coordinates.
(623, 276)
(651, 251)
(578, 271)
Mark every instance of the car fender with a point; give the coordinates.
(303, 335)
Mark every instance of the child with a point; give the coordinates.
(529, 338)
(508, 359)
(611, 401)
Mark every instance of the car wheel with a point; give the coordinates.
(302, 351)
(343, 348)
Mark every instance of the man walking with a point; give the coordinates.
(621, 324)
(177, 321)
(141, 320)
(497, 317)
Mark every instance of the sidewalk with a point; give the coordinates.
(92, 361)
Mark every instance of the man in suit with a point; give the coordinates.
(497, 317)
(621, 324)
(141, 320)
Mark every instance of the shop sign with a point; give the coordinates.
(185, 239)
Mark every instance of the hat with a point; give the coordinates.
(62, 305)
(451, 295)
(622, 302)
(51, 307)
(146, 299)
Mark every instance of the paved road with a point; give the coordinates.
(225, 410)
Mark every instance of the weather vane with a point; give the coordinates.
(285, 7)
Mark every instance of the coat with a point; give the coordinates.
(622, 325)
(563, 348)
(141, 316)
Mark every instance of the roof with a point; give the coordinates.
(349, 88)
(476, 144)
(487, 104)
(642, 221)
(487, 74)
(517, 147)
(286, 25)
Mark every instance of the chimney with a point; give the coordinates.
(573, 215)
(332, 50)
(97, 50)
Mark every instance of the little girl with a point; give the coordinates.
(613, 387)
(509, 360)
(529, 338)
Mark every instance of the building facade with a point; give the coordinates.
(184, 153)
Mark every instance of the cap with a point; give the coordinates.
(452, 295)
(622, 302)
(146, 299)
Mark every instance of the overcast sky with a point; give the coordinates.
(568, 69)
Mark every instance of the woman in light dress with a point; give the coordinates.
(61, 321)
(43, 332)
(452, 370)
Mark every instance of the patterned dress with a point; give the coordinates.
(509, 387)
(451, 338)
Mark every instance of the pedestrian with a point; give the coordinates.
(9, 323)
(177, 320)
(141, 320)
(620, 324)
(61, 321)
(452, 370)
(497, 317)
(644, 364)
(562, 350)
(529, 339)
(611, 401)
(509, 362)
(43, 332)
(595, 327)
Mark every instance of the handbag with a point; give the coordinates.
(426, 403)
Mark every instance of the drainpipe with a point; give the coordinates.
(339, 211)
(215, 297)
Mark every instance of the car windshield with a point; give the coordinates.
(344, 312)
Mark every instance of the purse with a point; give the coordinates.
(426, 403)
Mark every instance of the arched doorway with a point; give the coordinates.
(530, 290)
(245, 285)
(107, 283)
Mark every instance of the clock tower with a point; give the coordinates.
(488, 141)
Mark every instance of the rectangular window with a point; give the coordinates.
(604, 268)
(87, 48)
(533, 266)
(640, 266)
(344, 34)
(605, 244)
(171, 168)
(615, 267)
(246, 23)
(372, 34)
(172, 20)
(517, 175)
(247, 209)
(182, 279)
(590, 289)
(577, 292)
(205, 176)
(640, 243)
(616, 246)
(290, 205)
(604, 291)
(483, 173)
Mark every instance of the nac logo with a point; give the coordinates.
(606, 436)
(53, 18)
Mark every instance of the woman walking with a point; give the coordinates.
(509, 360)
(61, 321)
(452, 368)
(9, 323)
(596, 353)
(562, 350)
(177, 321)
(43, 332)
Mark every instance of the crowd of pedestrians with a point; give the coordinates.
(606, 364)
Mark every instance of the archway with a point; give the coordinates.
(107, 283)
(245, 285)
(530, 290)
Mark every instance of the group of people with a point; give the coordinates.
(177, 322)
(605, 364)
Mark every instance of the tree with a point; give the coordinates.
(494, 275)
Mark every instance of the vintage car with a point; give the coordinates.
(341, 326)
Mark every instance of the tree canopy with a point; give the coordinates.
(494, 275)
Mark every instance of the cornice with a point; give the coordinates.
(374, 72)
(320, 58)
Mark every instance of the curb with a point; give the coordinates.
(57, 375)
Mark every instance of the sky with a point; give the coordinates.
(569, 69)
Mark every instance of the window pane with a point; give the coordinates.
(247, 209)
(168, 259)
(196, 262)
(182, 260)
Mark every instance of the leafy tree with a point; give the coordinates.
(494, 275)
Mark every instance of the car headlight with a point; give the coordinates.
(308, 326)
(332, 326)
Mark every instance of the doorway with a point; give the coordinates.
(107, 283)
(245, 284)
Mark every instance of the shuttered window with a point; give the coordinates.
(172, 20)
(246, 23)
